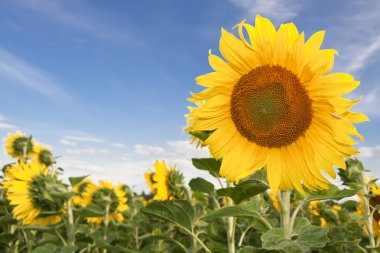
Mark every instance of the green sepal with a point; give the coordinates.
(76, 180)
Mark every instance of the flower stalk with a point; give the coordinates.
(286, 224)
(368, 215)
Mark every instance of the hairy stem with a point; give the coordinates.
(367, 210)
(284, 198)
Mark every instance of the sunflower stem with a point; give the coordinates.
(70, 224)
(284, 198)
(231, 224)
(367, 210)
(106, 223)
(27, 241)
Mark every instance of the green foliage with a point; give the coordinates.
(304, 238)
(178, 212)
(209, 164)
(202, 185)
(333, 192)
(243, 191)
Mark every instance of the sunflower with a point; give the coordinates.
(314, 209)
(82, 199)
(43, 155)
(274, 197)
(273, 103)
(374, 200)
(27, 189)
(18, 145)
(166, 182)
(105, 195)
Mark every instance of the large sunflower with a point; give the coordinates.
(271, 103)
(105, 194)
(27, 189)
(18, 145)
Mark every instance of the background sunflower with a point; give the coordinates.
(30, 190)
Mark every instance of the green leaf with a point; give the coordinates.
(179, 212)
(92, 210)
(248, 209)
(76, 180)
(274, 239)
(201, 135)
(169, 239)
(46, 248)
(305, 237)
(201, 185)
(243, 190)
(209, 164)
(7, 219)
(312, 237)
(69, 249)
(250, 249)
(333, 192)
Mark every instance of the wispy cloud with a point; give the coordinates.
(66, 142)
(21, 72)
(119, 145)
(370, 103)
(5, 125)
(277, 10)
(357, 35)
(78, 16)
(87, 151)
(132, 166)
(361, 55)
(141, 149)
(83, 139)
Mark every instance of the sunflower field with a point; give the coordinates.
(278, 130)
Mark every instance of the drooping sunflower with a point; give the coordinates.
(27, 189)
(43, 155)
(273, 103)
(82, 199)
(166, 182)
(105, 194)
(18, 145)
(158, 181)
(373, 201)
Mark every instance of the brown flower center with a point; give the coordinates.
(270, 107)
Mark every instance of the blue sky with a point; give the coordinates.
(105, 83)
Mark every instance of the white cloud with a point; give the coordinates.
(104, 151)
(370, 103)
(119, 145)
(81, 151)
(79, 16)
(130, 168)
(84, 139)
(67, 142)
(145, 150)
(362, 54)
(370, 157)
(21, 72)
(370, 152)
(7, 126)
(277, 10)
